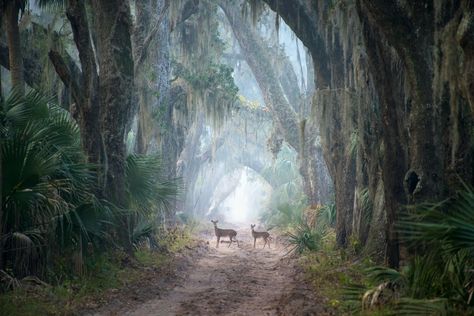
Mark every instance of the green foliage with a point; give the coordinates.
(52, 220)
(329, 272)
(284, 171)
(111, 269)
(149, 195)
(214, 76)
(283, 216)
(353, 146)
(438, 280)
(327, 215)
(47, 185)
(148, 190)
(366, 204)
(211, 87)
(304, 237)
(108, 270)
(287, 202)
(189, 221)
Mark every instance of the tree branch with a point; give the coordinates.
(189, 9)
(67, 75)
(32, 69)
(143, 52)
(76, 14)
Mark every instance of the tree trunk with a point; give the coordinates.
(394, 161)
(12, 12)
(277, 96)
(467, 44)
(115, 59)
(259, 61)
(104, 102)
(335, 117)
(169, 148)
(112, 23)
(1, 193)
(84, 86)
(187, 165)
(1, 86)
(143, 11)
(413, 39)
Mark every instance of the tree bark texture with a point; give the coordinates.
(103, 90)
(410, 66)
(84, 86)
(259, 61)
(280, 97)
(12, 11)
(113, 22)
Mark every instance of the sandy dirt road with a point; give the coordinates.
(236, 281)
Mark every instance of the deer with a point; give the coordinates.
(265, 235)
(224, 233)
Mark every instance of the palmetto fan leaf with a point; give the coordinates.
(20, 110)
(419, 307)
(450, 222)
(45, 174)
(143, 228)
(327, 215)
(147, 188)
(150, 194)
(438, 279)
(304, 238)
(89, 222)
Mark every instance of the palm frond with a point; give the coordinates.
(45, 178)
(147, 187)
(327, 215)
(305, 238)
(415, 307)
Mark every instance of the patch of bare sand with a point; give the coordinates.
(235, 281)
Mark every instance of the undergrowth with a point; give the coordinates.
(437, 275)
(107, 271)
(330, 270)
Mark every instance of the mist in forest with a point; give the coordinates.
(215, 157)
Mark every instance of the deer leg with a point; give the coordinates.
(265, 240)
(254, 241)
(218, 239)
(230, 242)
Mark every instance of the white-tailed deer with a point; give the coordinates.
(264, 235)
(224, 233)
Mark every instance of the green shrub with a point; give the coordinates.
(327, 215)
(304, 238)
(47, 186)
(439, 279)
(52, 218)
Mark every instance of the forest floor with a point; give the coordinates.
(226, 280)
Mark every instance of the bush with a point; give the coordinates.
(439, 279)
(305, 238)
(47, 186)
(52, 219)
